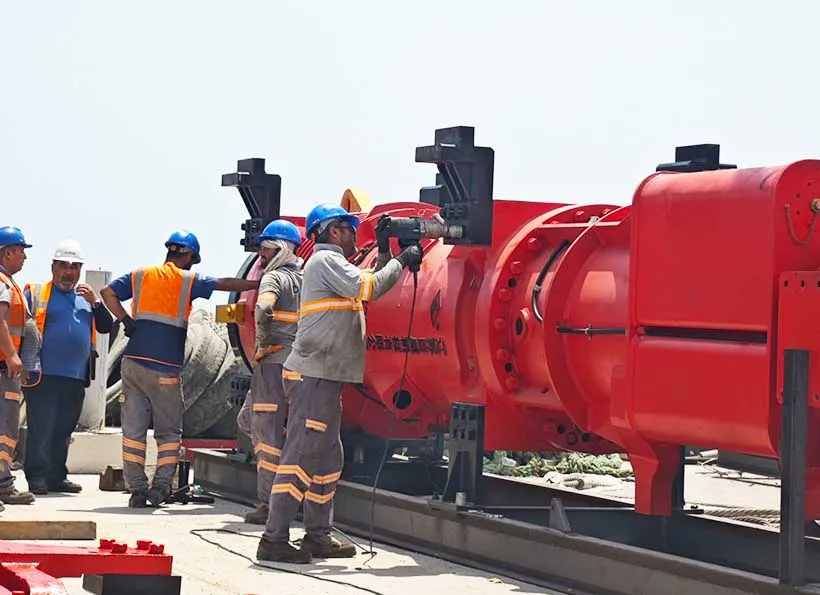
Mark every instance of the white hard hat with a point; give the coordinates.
(69, 251)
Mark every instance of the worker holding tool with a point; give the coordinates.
(328, 351)
(277, 315)
(152, 361)
(68, 315)
(17, 332)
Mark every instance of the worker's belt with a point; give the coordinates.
(260, 353)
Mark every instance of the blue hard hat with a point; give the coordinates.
(12, 236)
(325, 212)
(281, 230)
(185, 240)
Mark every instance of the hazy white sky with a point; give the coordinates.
(116, 122)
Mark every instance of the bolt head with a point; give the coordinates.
(500, 324)
(516, 267)
(502, 355)
(505, 295)
(512, 383)
(533, 244)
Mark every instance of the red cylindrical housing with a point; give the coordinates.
(601, 328)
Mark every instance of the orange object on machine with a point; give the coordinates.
(597, 328)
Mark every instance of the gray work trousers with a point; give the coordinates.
(9, 427)
(147, 394)
(311, 461)
(267, 424)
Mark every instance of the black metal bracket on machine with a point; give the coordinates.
(464, 184)
(466, 453)
(262, 194)
(695, 158)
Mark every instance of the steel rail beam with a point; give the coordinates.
(547, 536)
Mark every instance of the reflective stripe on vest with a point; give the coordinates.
(162, 294)
(40, 295)
(17, 313)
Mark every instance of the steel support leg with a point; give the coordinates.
(793, 473)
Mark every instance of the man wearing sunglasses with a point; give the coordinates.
(327, 352)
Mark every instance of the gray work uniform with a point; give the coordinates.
(147, 393)
(11, 394)
(327, 352)
(277, 315)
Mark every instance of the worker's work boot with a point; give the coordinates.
(327, 547)
(259, 516)
(156, 497)
(281, 551)
(15, 496)
(138, 499)
(65, 487)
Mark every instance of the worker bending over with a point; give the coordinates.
(68, 316)
(16, 327)
(277, 315)
(327, 352)
(152, 362)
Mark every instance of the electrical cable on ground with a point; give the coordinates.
(372, 552)
(198, 532)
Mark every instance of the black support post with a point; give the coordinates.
(793, 473)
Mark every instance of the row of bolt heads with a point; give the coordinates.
(142, 544)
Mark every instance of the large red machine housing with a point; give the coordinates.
(656, 325)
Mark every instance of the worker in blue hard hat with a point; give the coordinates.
(277, 316)
(327, 352)
(18, 332)
(161, 298)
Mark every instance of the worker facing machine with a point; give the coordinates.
(276, 313)
(152, 362)
(18, 332)
(327, 352)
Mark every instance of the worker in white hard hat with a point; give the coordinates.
(69, 314)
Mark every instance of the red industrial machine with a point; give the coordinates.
(594, 328)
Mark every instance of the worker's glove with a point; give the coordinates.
(382, 239)
(411, 257)
(128, 325)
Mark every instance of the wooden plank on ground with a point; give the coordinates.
(17, 529)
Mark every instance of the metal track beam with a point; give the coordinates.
(600, 547)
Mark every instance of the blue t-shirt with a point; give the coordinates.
(161, 335)
(67, 335)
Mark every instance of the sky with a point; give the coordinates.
(117, 119)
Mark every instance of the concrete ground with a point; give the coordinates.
(208, 570)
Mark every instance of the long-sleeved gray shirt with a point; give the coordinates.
(330, 341)
(277, 312)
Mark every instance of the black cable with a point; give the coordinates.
(536, 289)
(253, 562)
(392, 418)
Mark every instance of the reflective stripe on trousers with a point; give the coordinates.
(9, 427)
(267, 405)
(312, 458)
(147, 394)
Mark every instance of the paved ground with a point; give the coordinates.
(208, 570)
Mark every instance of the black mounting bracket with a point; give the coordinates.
(262, 194)
(694, 158)
(464, 184)
(466, 453)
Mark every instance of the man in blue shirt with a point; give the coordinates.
(68, 313)
(152, 361)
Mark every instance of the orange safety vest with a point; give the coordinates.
(40, 294)
(17, 313)
(162, 294)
